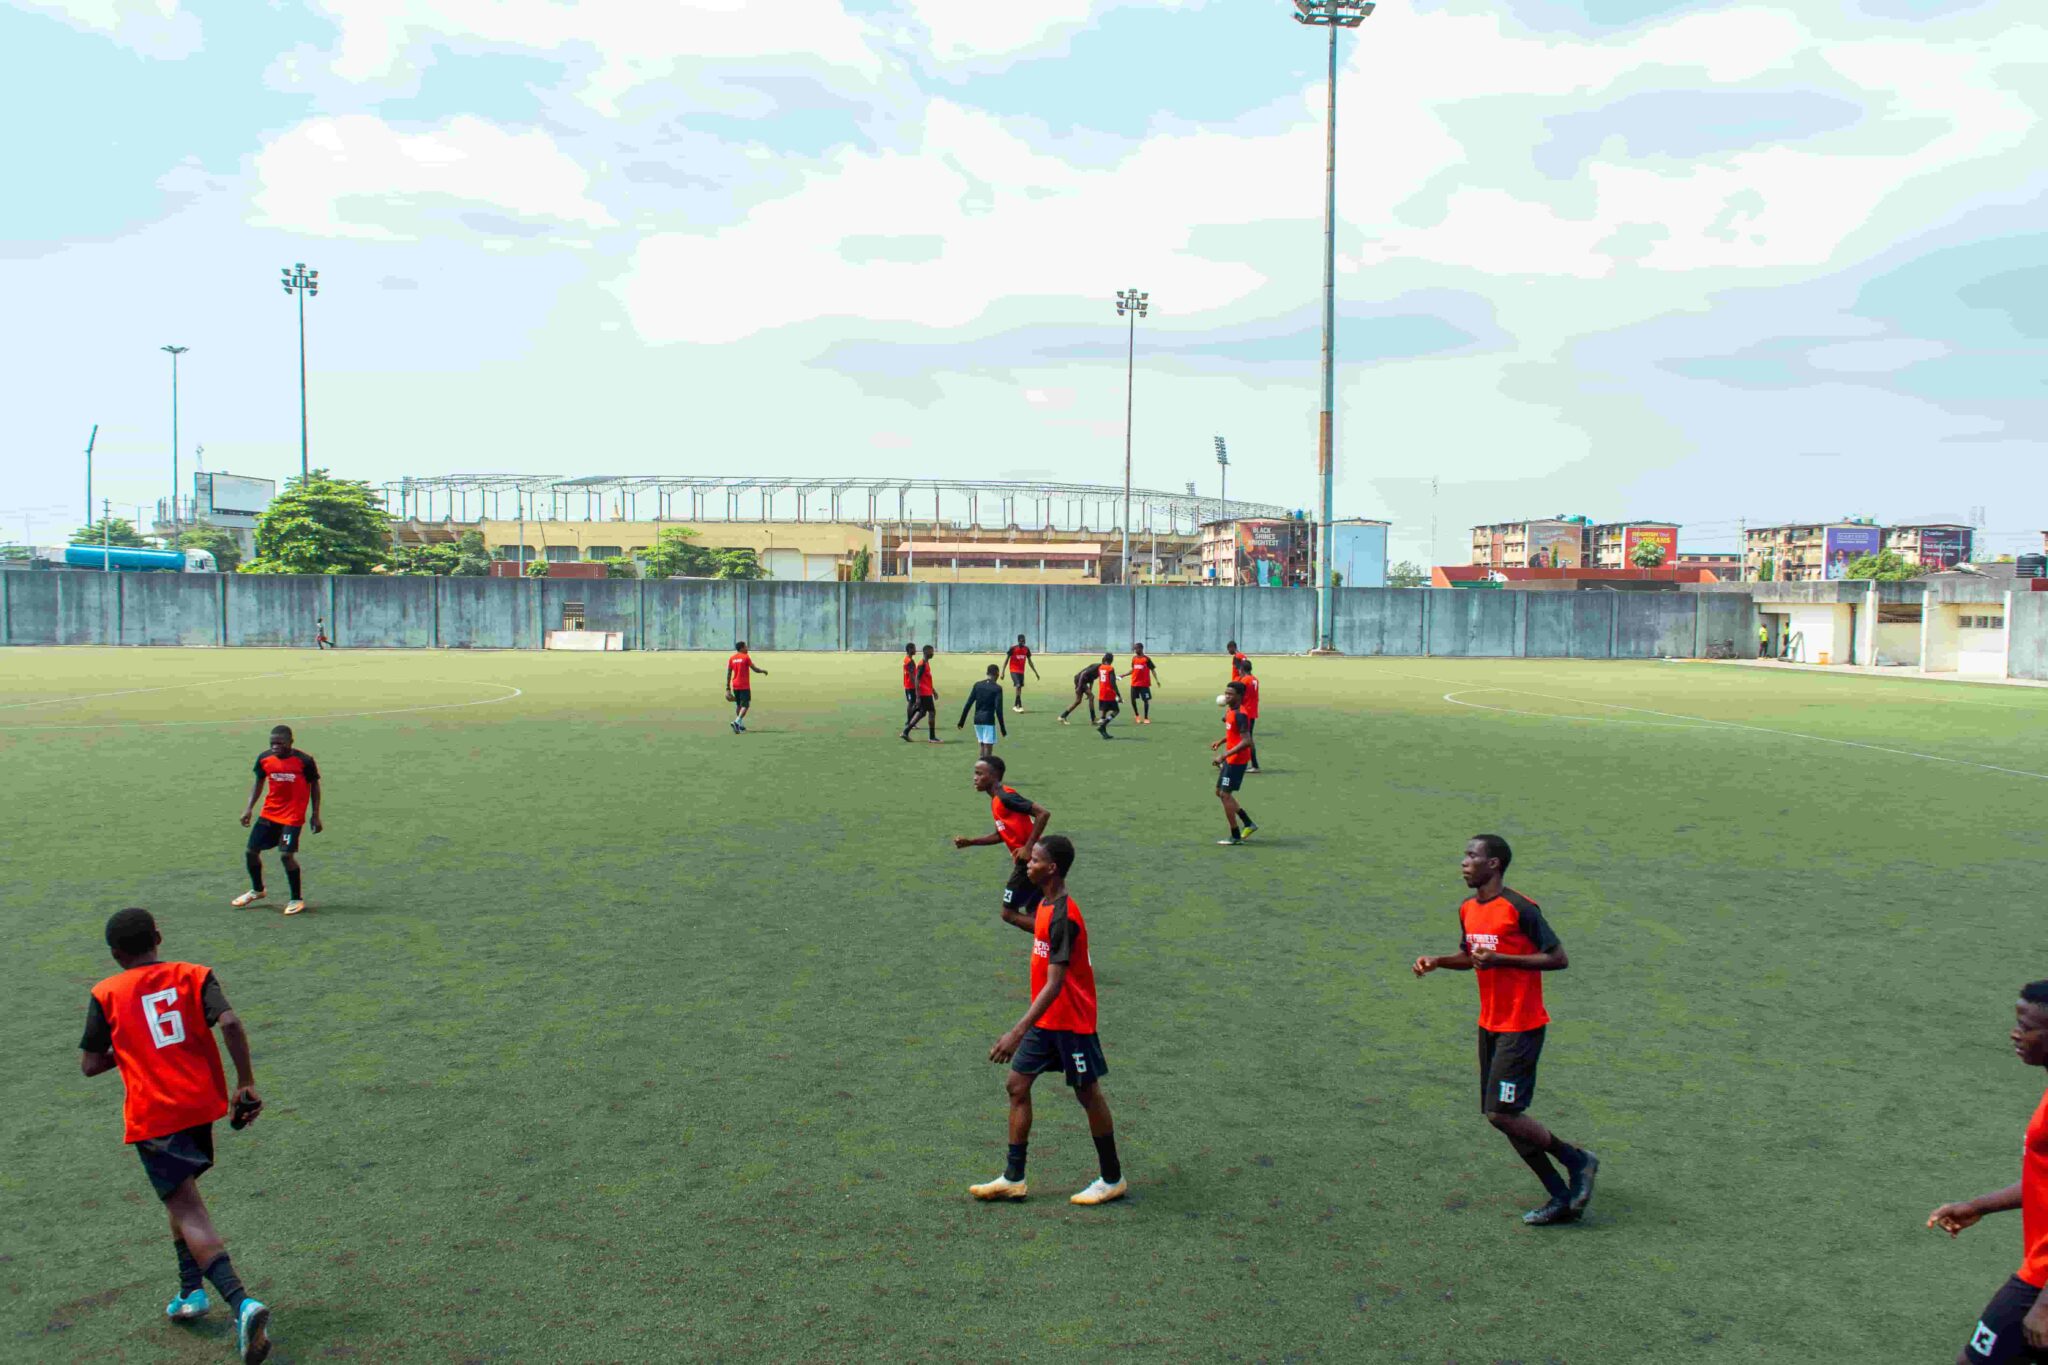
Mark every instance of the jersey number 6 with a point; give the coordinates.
(166, 1025)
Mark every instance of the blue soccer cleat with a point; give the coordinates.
(186, 1307)
(252, 1331)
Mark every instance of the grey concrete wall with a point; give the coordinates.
(987, 618)
(279, 609)
(386, 613)
(1655, 625)
(1727, 627)
(793, 616)
(1178, 621)
(888, 616)
(1468, 623)
(1379, 620)
(608, 604)
(169, 609)
(487, 613)
(1274, 620)
(692, 614)
(1090, 620)
(1569, 625)
(2027, 625)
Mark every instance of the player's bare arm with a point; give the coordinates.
(1552, 961)
(95, 1063)
(1446, 962)
(255, 795)
(315, 788)
(1953, 1218)
(1007, 1045)
(248, 1103)
(1040, 818)
(962, 841)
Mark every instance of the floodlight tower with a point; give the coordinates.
(300, 281)
(1223, 475)
(1131, 304)
(175, 352)
(1332, 15)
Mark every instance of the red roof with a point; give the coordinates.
(1451, 575)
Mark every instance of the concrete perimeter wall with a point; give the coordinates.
(77, 608)
(2027, 629)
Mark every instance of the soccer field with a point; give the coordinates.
(613, 1035)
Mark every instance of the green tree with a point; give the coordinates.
(321, 524)
(218, 542)
(620, 566)
(674, 555)
(863, 561)
(108, 531)
(1407, 574)
(1648, 554)
(537, 567)
(1886, 566)
(472, 556)
(738, 562)
(1767, 570)
(421, 560)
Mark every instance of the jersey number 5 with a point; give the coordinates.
(166, 1025)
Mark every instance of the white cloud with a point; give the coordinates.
(155, 28)
(356, 176)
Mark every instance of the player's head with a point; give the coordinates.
(1231, 646)
(992, 670)
(1233, 694)
(131, 933)
(1138, 648)
(2030, 1026)
(1051, 858)
(1020, 639)
(927, 651)
(1243, 666)
(1486, 856)
(739, 646)
(280, 740)
(909, 650)
(988, 773)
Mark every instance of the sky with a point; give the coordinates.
(1632, 259)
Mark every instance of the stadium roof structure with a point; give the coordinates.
(866, 501)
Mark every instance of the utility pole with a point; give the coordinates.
(1130, 304)
(1333, 15)
(300, 281)
(175, 352)
(90, 442)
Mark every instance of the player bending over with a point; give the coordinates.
(1505, 939)
(2014, 1325)
(1058, 1030)
(294, 781)
(1236, 745)
(1084, 692)
(985, 699)
(739, 684)
(154, 1021)
(1019, 823)
(1020, 655)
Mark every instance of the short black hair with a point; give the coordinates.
(2034, 992)
(131, 932)
(993, 670)
(1060, 849)
(928, 649)
(739, 644)
(1140, 645)
(1020, 637)
(280, 729)
(1232, 646)
(1233, 686)
(1108, 657)
(1496, 847)
(910, 648)
(995, 765)
(1241, 664)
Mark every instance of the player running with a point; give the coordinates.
(739, 684)
(985, 699)
(320, 640)
(1058, 1030)
(294, 782)
(926, 706)
(1142, 675)
(909, 681)
(2014, 1325)
(1019, 823)
(1230, 764)
(1508, 942)
(154, 1020)
(1084, 692)
(1250, 682)
(1020, 656)
(1108, 696)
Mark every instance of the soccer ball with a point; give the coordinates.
(1222, 699)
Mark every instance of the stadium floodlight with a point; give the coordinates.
(1223, 464)
(301, 282)
(1131, 304)
(1332, 15)
(175, 352)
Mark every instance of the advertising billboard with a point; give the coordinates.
(234, 494)
(1842, 545)
(1664, 538)
(1555, 545)
(1944, 547)
(1263, 551)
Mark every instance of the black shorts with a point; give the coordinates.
(1076, 1055)
(1017, 679)
(171, 1161)
(1230, 777)
(1507, 1070)
(1108, 708)
(270, 834)
(1998, 1335)
(1141, 694)
(1018, 893)
(743, 696)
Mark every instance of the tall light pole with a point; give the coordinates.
(1333, 15)
(1223, 478)
(175, 352)
(1131, 304)
(300, 281)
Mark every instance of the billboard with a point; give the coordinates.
(1841, 545)
(1664, 538)
(1555, 545)
(238, 496)
(1264, 552)
(1944, 547)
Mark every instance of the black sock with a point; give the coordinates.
(256, 873)
(1547, 1173)
(1013, 1168)
(292, 875)
(1571, 1156)
(1105, 1151)
(1245, 816)
(188, 1269)
(227, 1282)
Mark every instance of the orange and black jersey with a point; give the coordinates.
(1019, 656)
(1141, 670)
(290, 789)
(157, 1019)
(1105, 682)
(924, 680)
(1013, 817)
(1510, 998)
(1060, 935)
(1233, 735)
(909, 674)
(2034, 1199)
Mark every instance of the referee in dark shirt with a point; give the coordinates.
(985, 700)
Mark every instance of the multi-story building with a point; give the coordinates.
(1935, 546)
(1549, 543)
(1613, 545)
(1724, 567)
(1808, 551)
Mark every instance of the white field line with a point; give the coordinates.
(510, 693)
(134, 692)
(1726, 725)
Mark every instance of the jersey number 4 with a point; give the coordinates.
(166, 1025)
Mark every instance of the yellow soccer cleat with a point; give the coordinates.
(1100, 1191)
(1002, 1187)
(294, 907)
(247, 898)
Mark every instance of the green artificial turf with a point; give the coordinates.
(615, 1036)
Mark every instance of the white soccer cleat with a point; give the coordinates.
(294, 907)
(247, 898)
(1002, 1187)
(1100, 1191)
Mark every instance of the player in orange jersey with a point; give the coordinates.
(2014, 1325)
(739, 684)
(1230, 764)
(909, 681)
(293, 779)
(1019, 658)
(154, 1020)
(1108, 696)
(1019, 823)
(1505, 939)
(1142, 675)
(1250, 680)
